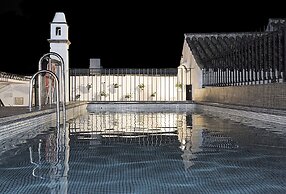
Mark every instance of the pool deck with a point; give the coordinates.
(247, 115)
(12, 111)
(19, 121)
(280, 112)
(10, 114)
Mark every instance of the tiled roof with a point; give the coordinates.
(209, 46)
(275, 24)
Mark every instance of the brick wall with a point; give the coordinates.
(266, 96)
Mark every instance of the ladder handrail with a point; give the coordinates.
(62, 81)
(57, 92)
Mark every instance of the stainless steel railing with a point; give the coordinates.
(62, 79)
(57, 93)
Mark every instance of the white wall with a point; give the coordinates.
(196, 75)
(164, 86)
(15, 94)
(62, 50)
(60, 44)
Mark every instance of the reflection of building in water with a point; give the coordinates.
(213, 133)
(142, 128)
(215, 139)
(127, 122)
(190, 136)
(198, 134)
(50, 159)
(152, 129)
(115, 123)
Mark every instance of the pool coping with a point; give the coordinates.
(27, 121)
(147, 106)
(251, 116)
(25, 113)
(271, 111)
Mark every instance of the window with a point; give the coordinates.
(19, 100)
(58, 31)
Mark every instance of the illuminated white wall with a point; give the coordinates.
(15, 94)
(164, 88)
(196, 75)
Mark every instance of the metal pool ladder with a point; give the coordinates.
(57, 93)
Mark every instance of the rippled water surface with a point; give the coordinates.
(139, 152)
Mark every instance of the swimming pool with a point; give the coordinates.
(147, 152)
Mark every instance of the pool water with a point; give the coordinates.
(143, 152)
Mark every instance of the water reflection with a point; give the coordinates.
(131, 152)
(141, 127)
(51, 159)
(151, 129)
(190, 136)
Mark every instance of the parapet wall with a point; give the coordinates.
(271, 95)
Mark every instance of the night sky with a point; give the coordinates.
(120, 34)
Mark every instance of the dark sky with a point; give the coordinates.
(120, 34)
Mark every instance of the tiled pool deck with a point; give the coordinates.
(280, 112)
(14, 113)
(16, 120)
(268, 119)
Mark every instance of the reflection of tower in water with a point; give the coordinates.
(51, 148)
(51, 163)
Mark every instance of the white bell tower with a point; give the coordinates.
(59, 43)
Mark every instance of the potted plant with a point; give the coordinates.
(115, 85)
(141, 86)
(103, 93)
(127, 96)
(89, 86)
(153, 94)
(179, 85)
